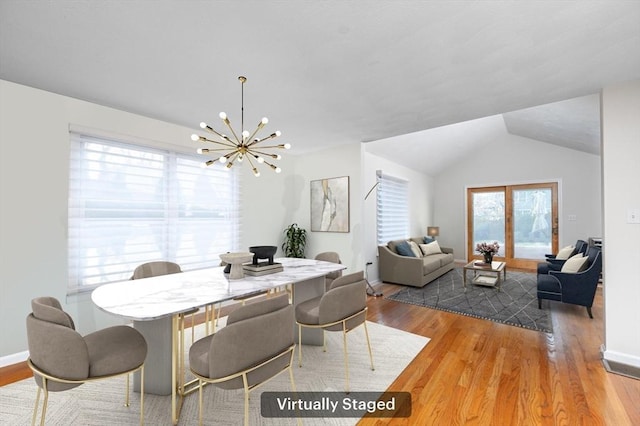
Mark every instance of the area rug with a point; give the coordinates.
(101, 403)
(515, 304)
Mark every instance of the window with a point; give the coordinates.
(392, 208)
(131, 204)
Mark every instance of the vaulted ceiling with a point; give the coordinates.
(333, 72)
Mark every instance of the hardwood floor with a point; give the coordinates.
(484, 373)
(478, 372)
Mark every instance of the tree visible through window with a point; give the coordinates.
(131, 204)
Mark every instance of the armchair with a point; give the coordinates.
(577, 288)
(553, 264)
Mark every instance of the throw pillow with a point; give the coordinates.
(575, 264)
(415, 249)
(404, 249)
(427, 240)
(431, 248)
(565, 252)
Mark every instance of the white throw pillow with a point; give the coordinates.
(575, 264)
(414, 248)
(431, 248)
(565, 252)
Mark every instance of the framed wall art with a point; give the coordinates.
(330, 204)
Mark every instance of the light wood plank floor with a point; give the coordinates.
(478, 372)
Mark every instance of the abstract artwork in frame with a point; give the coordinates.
(330, 204)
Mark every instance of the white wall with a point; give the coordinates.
(420, 208)
(34, 168)
(621, 188)
(329, 163)
(512, 159)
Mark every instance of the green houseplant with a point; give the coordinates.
(295, 240)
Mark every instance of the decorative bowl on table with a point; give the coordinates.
(263, 252)
(236, 260)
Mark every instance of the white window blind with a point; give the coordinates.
(392, 208)
(131, 204)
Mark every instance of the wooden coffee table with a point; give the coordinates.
(485, 274)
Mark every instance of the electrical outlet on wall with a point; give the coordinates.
(633, 216)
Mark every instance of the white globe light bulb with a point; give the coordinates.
(222, 159)
(264, 120)
(195, 137)
(278, 169)
(260, 160)
(278, 133)
(223, 115)
(287, 146)
(203, 125)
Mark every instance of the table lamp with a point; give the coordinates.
(433, 231)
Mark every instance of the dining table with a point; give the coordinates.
(156, 307)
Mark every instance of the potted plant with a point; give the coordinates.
(295, 239)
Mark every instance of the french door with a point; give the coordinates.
(523, 219)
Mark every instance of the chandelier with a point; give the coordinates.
(247, 147)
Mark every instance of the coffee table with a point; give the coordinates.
(485, 274)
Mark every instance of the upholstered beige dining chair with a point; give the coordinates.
(342, 308)
(256, 344)
(62, 359)
(333, 257)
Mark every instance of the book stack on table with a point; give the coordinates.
(262, 268)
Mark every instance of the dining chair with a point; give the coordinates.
(342, 308)
(330, 256)
(62, 359)
(256, 345)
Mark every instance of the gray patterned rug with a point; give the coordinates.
(515, 304)
(100, 403)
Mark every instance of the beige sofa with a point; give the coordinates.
(413, 271)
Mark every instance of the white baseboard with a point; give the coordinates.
(621, 358)
(13, 358)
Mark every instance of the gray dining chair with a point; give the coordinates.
(256, 344)
(333, 257)
(62, 359)
(342, 308)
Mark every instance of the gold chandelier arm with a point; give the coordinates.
(258, 128)
(207, 150)
(271, 136)
(212, 130)
(280, 146)
(227, 144)
(228, 123)
(253, 166)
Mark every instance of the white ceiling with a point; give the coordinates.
(333, 72)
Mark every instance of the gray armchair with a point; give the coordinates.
(256, 344)
(342, 308)
(62, 359)
(333, 257)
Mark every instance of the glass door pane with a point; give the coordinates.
(532, 226)
(489, 219)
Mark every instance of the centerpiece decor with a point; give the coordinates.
(488, 250)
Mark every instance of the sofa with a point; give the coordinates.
(409, 269)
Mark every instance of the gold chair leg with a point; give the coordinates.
(246, 399)
(141, 395)
(366, 332)
(200, 402)
(126, 393)
(36, 408)
(46, 401)
(346, 356)
(299, 345)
